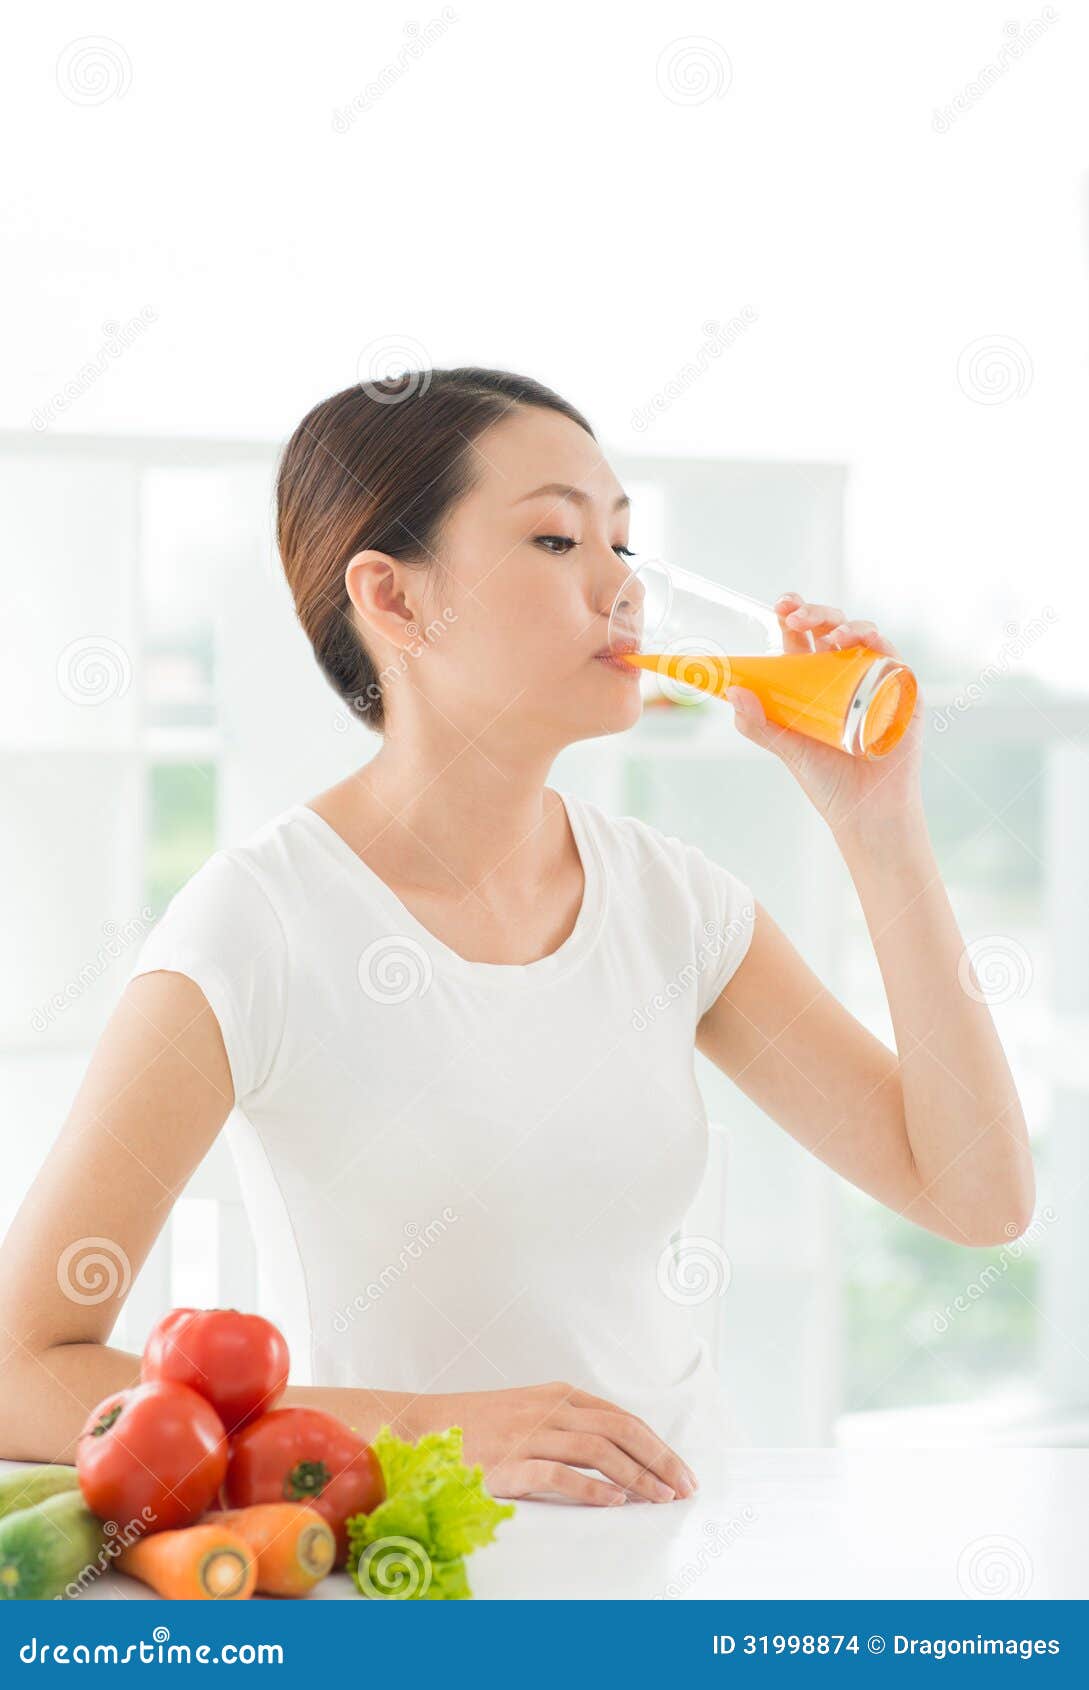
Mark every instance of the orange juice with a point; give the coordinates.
(826, 695)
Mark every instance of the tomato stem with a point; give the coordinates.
(306, 1478)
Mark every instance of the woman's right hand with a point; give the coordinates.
(534, 1438)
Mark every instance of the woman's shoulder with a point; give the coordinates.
(631, 839)
(715, 906)
(224, 929)
(241, 881)
(231, 914)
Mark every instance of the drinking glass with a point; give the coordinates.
(686, 628)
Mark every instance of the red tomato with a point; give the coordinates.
(157, 1447)
(306, 1455)
(237, 1361)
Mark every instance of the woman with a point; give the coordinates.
(426, 991)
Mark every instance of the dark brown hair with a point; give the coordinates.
(380, 466)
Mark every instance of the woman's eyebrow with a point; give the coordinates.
(561, 491)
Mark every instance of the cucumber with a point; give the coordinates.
(46, 1548)
(28, 1485)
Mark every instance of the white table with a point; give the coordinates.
(819, 1523)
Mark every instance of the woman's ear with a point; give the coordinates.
(377, 588)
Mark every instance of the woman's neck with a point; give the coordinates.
(452, 829)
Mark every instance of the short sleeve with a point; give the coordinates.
(727, 914)
(221, 931)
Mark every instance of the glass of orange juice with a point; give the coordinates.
(688, 629)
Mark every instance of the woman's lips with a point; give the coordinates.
(612, 660)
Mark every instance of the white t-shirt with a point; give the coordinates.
(464, 1175)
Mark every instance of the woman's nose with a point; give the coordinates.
(625, 601)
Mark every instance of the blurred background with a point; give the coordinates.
(821, 288)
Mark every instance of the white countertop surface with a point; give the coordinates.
(816, 1523)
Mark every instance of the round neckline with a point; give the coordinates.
(559, 962)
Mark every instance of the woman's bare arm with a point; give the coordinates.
(155, 1095)
(936, 1132)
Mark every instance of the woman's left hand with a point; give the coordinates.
(851, 793)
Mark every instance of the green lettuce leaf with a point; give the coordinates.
(450, 1583)
(436, 1511)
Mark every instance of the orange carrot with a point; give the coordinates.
(192, 1563)
(293, 1545)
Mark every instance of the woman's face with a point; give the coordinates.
(521, 604)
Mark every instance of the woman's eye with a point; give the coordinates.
(562, 540)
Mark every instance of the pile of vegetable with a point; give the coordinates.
(196, 1483)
